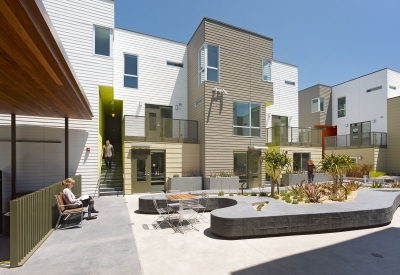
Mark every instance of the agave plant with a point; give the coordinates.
(313, 192)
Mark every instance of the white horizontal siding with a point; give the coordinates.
(360, 105)
(393, 80)
(158, 83)
(285, 96)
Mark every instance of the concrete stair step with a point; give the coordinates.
(108, 189)
(111, 193)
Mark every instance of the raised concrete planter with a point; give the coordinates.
(185, 183)
(291, 179)
(221, 183)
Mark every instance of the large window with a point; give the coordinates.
(246, 119)
(318, 105)
(266, 69)
(131, 71)
(102, 41)
(341, 102)
(208, 63)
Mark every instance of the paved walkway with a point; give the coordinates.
(113, 245)
(102, 246)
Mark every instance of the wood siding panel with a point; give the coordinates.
(195, 91)
(241, 56)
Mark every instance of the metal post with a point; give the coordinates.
(66, 138)
(13, 156)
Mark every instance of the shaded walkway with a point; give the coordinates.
(102, 246)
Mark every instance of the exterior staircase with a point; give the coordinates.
(111, 182)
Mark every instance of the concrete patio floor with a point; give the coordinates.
(121, 237)
(350, 252)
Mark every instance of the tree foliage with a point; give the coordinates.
(275, 162)
(337, 166)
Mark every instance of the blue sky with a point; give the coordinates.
(331, 41)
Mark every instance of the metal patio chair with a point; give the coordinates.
(64, 211)
(203, 202)
(165, 214)
(186, 214)
(172, 204)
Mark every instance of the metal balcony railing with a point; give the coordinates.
(361, 140)
(294, 136)
(152, 129)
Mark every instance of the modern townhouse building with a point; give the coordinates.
(359, 110)
(169, 108)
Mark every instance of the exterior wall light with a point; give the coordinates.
(176, 107)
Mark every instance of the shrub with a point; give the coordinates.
(376, 184)
(263, 194)
(288, 200)
(176, 176)
(295, 202)
(276, 197)
(231, 194)
(260, 206)
(353, 186)
(245, 194)
(313, 192)
(375, 174)
(307, 201)
(394, 185)
(253, 194)
(221, 193)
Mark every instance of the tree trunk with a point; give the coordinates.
(272, 188)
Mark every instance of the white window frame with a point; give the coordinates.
(206, 67)
(247, 127)
(319, 105)
(288, 82)
(131, 75)
(270, 69)
(94, 41)
(337, 102)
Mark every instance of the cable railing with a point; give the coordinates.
(155, 129)
(361, 140)
(294, 136)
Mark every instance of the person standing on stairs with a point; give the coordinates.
(108, 154)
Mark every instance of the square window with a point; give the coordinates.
(318, 105)
(246, 119)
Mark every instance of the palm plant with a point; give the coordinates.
(275, 162)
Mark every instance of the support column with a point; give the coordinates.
(66, 142)
(13, 156)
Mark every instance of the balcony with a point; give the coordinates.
(361, 140)
(294, 136)
(152, 129)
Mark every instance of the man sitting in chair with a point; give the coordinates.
(73, 202)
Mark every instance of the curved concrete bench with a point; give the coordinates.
(146, 204)
(372, 207)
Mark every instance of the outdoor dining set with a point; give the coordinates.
(182, 210)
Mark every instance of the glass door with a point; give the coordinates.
(140, 165)
(355, 134)
(157, 171)
(280, 130)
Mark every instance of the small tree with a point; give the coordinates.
(337, 166)
(275, 162)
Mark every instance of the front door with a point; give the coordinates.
(153, 124)
(355, 134)
(280, 130)
(141, 171)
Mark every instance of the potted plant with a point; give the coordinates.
(188, 182)
(221, 180)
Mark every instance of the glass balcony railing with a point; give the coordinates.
(294, 136)
(152, 129)
(359, 140)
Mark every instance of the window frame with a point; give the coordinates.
(288, 82)
(174, 64)
(262, 69)
(94, 41)
(392, 87)
(247, 127)
(206, 66)
(318, 105)
(131, 75)
(374, 89)
(341, 109)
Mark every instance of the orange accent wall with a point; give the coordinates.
(327, 131)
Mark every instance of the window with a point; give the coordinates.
(318, 105)
(246, 119)
(266, 69)
(208, 63)
(374, 89)
(290, 82)
(102, 41)
(300, 161)
(341, 102)
(392, 87)
(170, 63)
(198, 102)
(131, 71)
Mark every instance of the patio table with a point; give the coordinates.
(180, 197)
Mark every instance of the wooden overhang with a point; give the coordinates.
(36, 77)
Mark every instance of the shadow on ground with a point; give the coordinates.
(376, 253)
